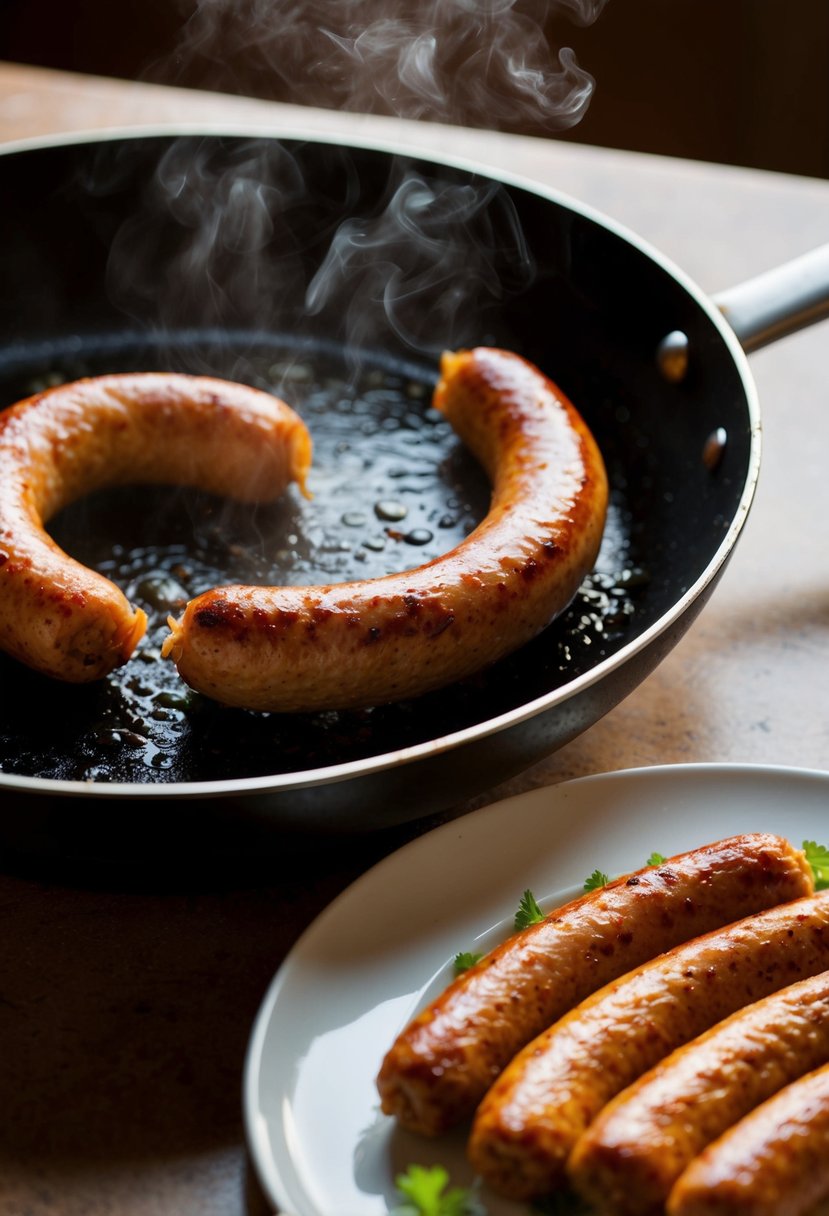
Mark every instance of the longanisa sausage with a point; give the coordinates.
(631, 1156)
(530, 1120)
(444, 1061)
(58, 616)
(365, 643)
(774, 1162)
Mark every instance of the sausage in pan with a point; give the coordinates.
(774, 1162)
(444, 1061)
(527, 1125)
(55, 614)
(365, 643)
(630, 1157)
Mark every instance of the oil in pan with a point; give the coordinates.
(392, 489)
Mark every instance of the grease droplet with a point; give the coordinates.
(418, 536)
(390, 510)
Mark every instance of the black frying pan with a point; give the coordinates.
(204, 254)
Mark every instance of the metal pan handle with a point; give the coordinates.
(780, 301)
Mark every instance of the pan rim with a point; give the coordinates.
(367, 766)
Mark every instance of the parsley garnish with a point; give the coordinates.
(528, 912)
(464, 960)
(426, 1194)
(597, 879)
(817, 855)
(655, 859)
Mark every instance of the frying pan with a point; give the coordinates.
(335, 275)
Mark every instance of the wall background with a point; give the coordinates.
(738, 81)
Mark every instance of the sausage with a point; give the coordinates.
(528, 1123)
(630, 1157)
(774, 1162)
(358, 644)
(444, 1061)
(56, 615)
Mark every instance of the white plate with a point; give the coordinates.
(319, 1143)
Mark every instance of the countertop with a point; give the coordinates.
(126, 1001)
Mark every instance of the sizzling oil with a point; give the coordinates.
(392, 488)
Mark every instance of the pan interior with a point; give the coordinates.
(392, 487)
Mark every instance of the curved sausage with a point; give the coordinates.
(366, 643)
(529, 1122)
(774, 1162)
(58, 616)
(444, 1061)
(630, 1157)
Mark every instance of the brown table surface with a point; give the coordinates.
(126, 999)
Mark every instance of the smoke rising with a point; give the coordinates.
(417, 265)
(250, 234)
(218, 233)
(485, 63)
(256, 236)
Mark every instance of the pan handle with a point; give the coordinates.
(780, 301)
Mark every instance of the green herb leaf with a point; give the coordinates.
(596, 880)
(817, 855)
(655, 859)
(528, 912)
(464, 960)
(425, 1189)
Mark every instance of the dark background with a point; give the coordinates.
(738, 81)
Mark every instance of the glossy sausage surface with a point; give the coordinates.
(774, 1162)
(530, 1120)
(631, 1156)
(444, 1061)
(58, 616)
(365, 643)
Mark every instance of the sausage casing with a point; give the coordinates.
(630, 1157)
(528, 1123)
(444, 1061)
(58, 616)
(287, 649)
(774, 1162)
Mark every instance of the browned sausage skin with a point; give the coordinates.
(55, 614)
(774, 1162)
(365, 643)
(631, 1156)
(444, 1061)
(530, 1120)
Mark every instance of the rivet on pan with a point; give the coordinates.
(714, 447)
(672, 356)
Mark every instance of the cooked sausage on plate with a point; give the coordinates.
(58, 616)
(530, 1120)
(444, 1061)
(630, 1157)
(774, 1162)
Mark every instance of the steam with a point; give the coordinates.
(256, 237)
(252, 235)
(418, 265)
(485, 63)
(216, 238)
